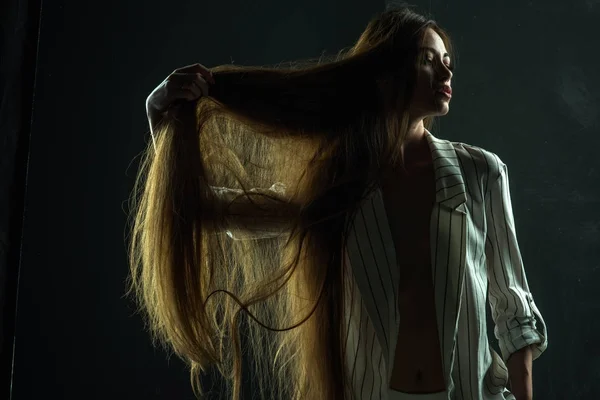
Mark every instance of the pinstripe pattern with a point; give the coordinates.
(474, 252)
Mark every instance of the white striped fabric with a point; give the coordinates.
(474, 251)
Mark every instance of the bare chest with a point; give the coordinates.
(408, 200)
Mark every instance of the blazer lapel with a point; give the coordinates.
(372, 256)
(448, 230)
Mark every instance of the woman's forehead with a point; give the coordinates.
(432, 40)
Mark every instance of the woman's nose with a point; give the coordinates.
(446, 73)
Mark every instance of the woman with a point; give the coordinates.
(360, 245)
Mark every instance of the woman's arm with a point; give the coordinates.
(521, 374)
(518, 321)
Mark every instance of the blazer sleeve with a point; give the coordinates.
(518, 321)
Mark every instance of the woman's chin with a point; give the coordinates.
(437, 109)
(442, 109)
(440, 112)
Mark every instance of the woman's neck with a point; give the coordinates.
(416, 155)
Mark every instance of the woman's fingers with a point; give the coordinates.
(186, 83)
(196, 68)
(194, 83)
(200, 83)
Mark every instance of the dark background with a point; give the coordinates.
(75, 76)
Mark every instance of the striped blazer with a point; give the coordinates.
(474, 252)
(474, 256)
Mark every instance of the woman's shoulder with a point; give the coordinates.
(482, 159)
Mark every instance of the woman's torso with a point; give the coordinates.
(417, 365)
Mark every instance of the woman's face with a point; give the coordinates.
(433, 74)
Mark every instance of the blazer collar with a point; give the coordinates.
(447, 274)
(449, 183)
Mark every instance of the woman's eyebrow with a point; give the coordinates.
(433, 50)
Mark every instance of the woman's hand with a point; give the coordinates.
(188, 83)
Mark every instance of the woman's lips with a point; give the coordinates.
(446, 89)
(444, 93)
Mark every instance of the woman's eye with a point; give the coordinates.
(430, 61)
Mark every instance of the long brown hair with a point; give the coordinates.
(300, 145)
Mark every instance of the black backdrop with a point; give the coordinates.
(73, 121)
